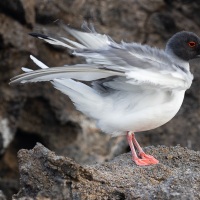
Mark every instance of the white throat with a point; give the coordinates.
(178, 60)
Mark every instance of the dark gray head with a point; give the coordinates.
(185, 45)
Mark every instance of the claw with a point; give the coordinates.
(141, 161)
(144, 158)
(151, 159)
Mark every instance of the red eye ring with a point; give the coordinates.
(191, 44)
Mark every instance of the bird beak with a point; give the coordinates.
(198, 56)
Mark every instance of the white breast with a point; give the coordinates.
(160, 114)
(151, 111)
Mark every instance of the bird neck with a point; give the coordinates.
(177, 60)
(184, 64)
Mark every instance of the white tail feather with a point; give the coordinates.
(38, 62)
(26, 69)
(84, 97)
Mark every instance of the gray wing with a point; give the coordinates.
(141, 64)
(78, 72)
(137, 64)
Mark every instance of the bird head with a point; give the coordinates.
(185, 45)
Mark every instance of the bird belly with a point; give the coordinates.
(154, 111)
(157, 116)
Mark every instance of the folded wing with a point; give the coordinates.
(137, 64)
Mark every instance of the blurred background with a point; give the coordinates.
(38, 113)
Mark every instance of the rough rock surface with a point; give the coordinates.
(38, 113)
(44, 175)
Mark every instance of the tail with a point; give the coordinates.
(84, 97)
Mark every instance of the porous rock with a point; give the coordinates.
(38, 113)
(2, 196)
(44, 175)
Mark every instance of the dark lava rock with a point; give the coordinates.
(39, 113)
(44, 175)
(21, 10)
(2, 196)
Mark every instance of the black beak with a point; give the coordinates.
(198, 51)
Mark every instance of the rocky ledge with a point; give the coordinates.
(44, 175)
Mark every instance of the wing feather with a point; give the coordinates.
(139, 64)
(79, 72)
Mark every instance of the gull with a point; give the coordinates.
(125, 87)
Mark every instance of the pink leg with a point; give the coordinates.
(145, 159)
(151, 159)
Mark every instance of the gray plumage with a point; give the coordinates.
(127, 79)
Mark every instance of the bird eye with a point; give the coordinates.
(191, 44)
